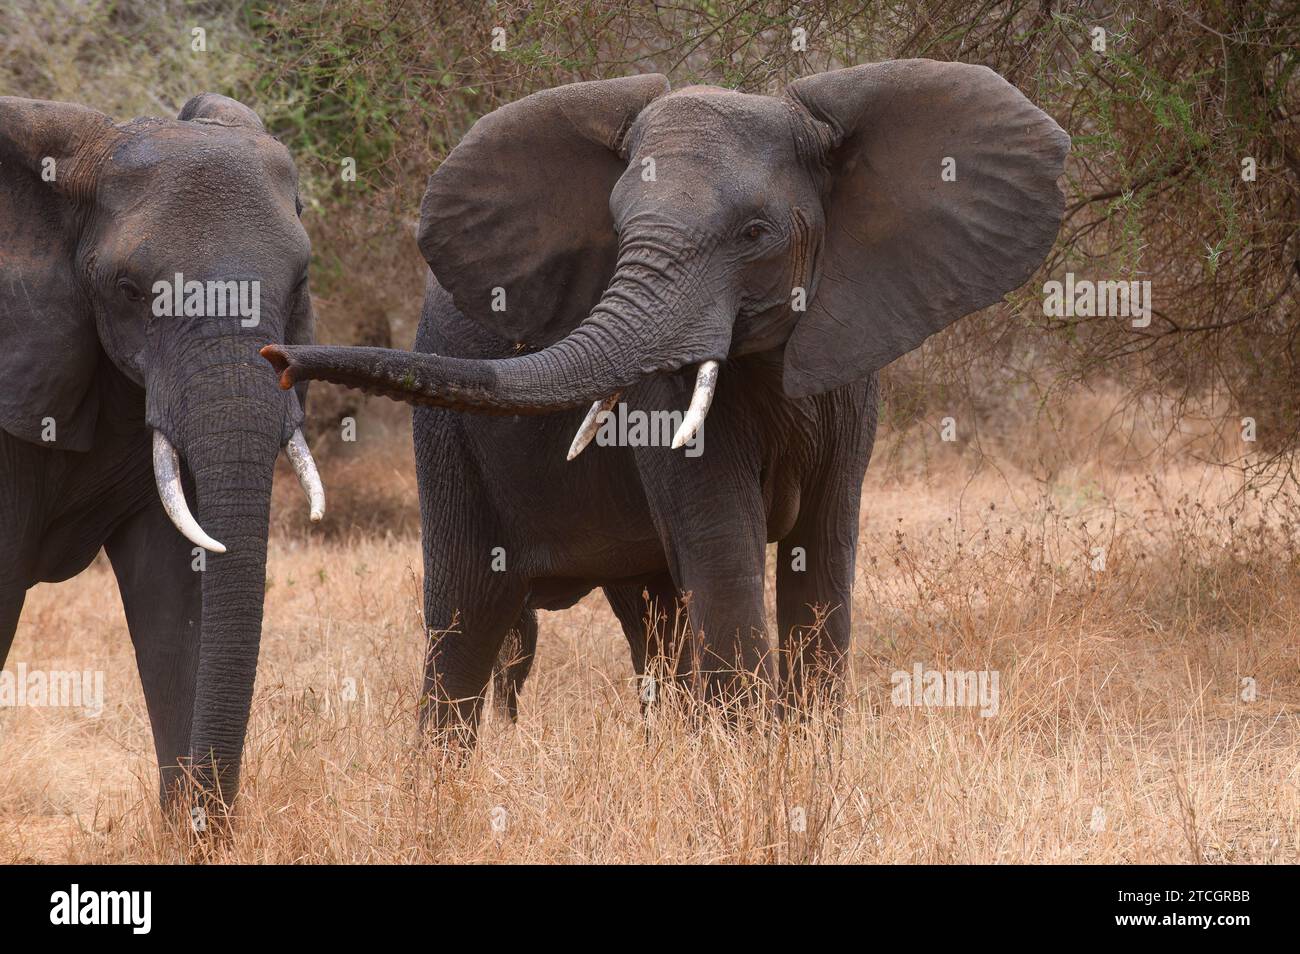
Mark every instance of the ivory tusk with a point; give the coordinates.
(305, 467)
(167, 474)
(591, 424)
(706, 379)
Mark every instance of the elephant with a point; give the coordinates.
(754, 258)
(142, 264)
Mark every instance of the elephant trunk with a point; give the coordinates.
(230, 428)
(651, 318)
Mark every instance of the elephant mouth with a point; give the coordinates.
(706, 381)
(167, 477)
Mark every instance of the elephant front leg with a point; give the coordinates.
(731, 658)
(159, 577)
(11, 607)
(814, 608)
(715, 542)
(468, 610)
(814, 591)
(817, 557)
(21, 479)
(474, 591)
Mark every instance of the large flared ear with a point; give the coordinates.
(49, 348)
(942, 198)
(515, 223)
(215, 108)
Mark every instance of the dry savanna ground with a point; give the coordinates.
(1142, 615)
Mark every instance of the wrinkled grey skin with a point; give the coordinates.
(615, 282)
(214, 197)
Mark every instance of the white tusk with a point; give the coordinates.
(591, 424)
(167, 474)
(305, 467)
(706, 378)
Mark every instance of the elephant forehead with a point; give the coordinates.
(721, 110)
(183, 192)
(710, 126)
(167, 157)
(715, 153)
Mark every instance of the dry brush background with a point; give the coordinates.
(1123, 732)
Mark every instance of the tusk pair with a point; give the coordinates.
(305, 467)
(167, 474)
(706, 380)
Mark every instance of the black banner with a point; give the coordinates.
(331, 904)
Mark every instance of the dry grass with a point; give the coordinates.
(1121, 736)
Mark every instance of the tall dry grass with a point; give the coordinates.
(1122, 733)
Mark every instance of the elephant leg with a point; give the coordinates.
(816, 559)
(161, 593)
(514, 663)
(11, 607)
(715, 541)
(22, 479)
(465, 636)
(474, 591)
(731, 655)
(651, 620)
(814, 603)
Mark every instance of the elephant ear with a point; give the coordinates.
(49, 348)
(215, 108)
(515, 223)
(906, 251)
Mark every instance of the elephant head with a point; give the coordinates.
(622, 230)
(164, 252)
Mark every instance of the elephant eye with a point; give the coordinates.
(128, 288)
(754, 231)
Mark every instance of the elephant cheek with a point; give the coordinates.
(125, 343)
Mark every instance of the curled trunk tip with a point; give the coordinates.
(280, 361)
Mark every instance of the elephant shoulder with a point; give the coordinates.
(445, 330)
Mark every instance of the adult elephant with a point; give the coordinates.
(615, 240)
(141, 265)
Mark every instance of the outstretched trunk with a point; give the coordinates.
(644, 324)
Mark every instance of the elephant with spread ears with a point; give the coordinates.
(753, 258)
(142, 265)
